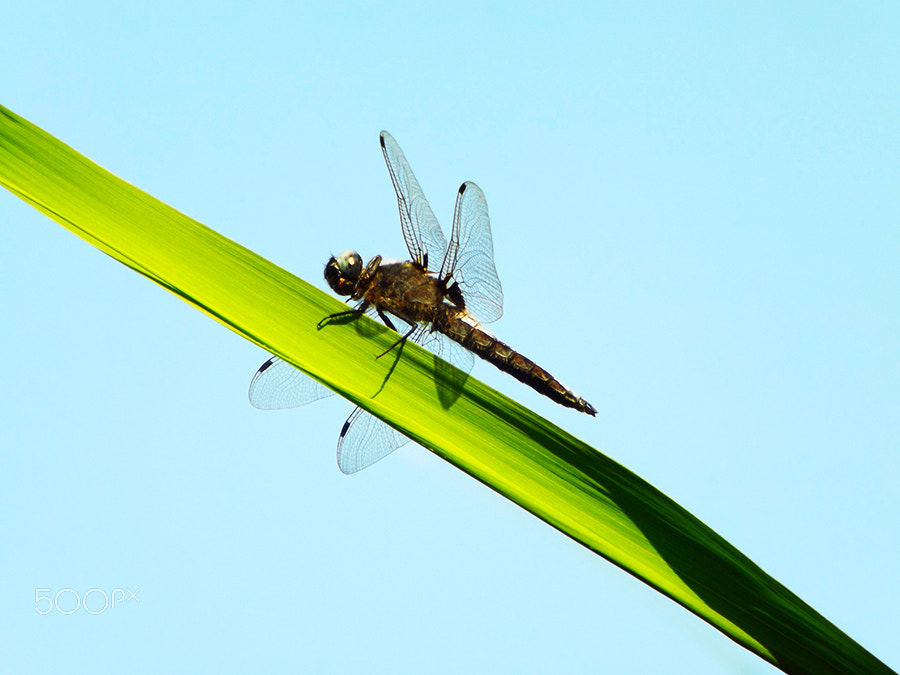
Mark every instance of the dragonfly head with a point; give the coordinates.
(342, 272)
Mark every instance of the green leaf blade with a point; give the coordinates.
(560, 479)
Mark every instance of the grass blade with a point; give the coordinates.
(568, 484)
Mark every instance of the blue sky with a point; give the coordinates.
(695, 221)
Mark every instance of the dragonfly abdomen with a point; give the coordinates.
(474, 338)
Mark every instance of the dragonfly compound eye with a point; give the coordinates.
(350, 264)
(342, 272)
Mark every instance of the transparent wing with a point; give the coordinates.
(470, 255)
(449, 381)
(364, 440)
(433, 341)
(278, 384)
(445, 348)
(421, 230)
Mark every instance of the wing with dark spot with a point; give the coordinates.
(277, 384)
(364, 440)
(421, 230)
(470, 255)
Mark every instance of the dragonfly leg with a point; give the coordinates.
(387, 322)
(398, 342)
(340, 315)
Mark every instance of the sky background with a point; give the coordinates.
(695, 216)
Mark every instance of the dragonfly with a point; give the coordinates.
(442, 307)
